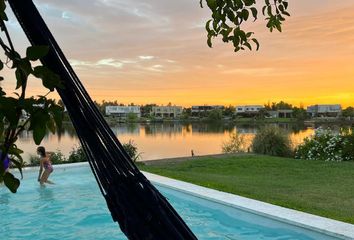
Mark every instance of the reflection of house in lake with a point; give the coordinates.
(211, 127)
(123, 111)
(246, 130)
(166, 111)
(164, 129)
(329, 110)
(126, 129)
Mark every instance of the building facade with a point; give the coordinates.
(248, 109)
(328, 110)
(281, 113)
(166, 111)
(123, 111)
(202, 109)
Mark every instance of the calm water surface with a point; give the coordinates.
(163, 140)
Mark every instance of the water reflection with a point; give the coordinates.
(162, 140)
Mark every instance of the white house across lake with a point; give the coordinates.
(325, 110)
(248, 109)
(166, 111)
(123, 111)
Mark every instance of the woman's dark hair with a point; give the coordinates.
(41, 151)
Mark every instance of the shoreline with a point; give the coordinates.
(149, 162)
(307, 122)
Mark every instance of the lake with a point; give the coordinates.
(163, 140)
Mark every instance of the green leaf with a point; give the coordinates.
(286, 13)
(256, 42)
(8, 109)
(2, 126)
(247, 45)
(18, 165)
(207, 27)
(211, 4)
(2, 5)
(254, 13)
(11, 182)
(2, 93)
(245, 14)
(3, 16)
(57, 113)
(50, 80)
(20, 78)
(51, 126)
(285, 4)
(38, 124)
(209, 41)
(39, 134)
(36, 52)
(25, 66)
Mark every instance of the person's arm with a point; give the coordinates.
(40, 169)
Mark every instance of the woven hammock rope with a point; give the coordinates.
(140, 209)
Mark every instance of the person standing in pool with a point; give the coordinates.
(46, 164)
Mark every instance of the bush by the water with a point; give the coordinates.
(77, 155)
(271, 140)
(328, 145)
(236, 144)
(132, 149)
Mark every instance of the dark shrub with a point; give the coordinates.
(272, 140)
(77, 155)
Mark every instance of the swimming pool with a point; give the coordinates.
(75, 209)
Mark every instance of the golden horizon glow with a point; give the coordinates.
(160, 55)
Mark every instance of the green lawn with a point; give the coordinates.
(321, 188)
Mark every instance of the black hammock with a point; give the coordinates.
(139, 208)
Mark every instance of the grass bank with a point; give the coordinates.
(321, 188)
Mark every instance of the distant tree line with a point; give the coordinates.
(298, 112)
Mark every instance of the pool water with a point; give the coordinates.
(73, 208)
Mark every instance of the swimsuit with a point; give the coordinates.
(48, 166)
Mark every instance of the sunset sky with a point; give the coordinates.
(154, 51)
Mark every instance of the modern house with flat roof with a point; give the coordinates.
(201, 109)
(123, 111)
(248, 109)
(281, 113)
(325, 110)
(166, 111)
